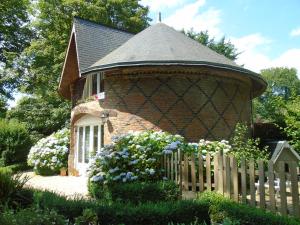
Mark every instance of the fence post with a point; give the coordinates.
(172, 166)
(180, 171)
(216, 171)
(262, 203)
(294, 189)
(227, 177)
(252, 182)
(168, 167)
(243, 180)
(271, 186)
(186, 172)
(193, 172)
(220, 172)
(234, 175)
(176, 166)
(208, 173)
(282, 184)
(201, 179)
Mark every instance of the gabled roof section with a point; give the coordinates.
(160, 45)
(88, 43)
(281, 145)
(94, 41)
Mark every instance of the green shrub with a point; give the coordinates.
(245, 147)
(14, 142)
(88, 217)
(137, 192)
(243, 213)
(31, 216)
(120, 213)
(12, 193)
(18, 167)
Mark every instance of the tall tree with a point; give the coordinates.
(222, 46)
(39, 67)
(283, 86)
(15, 35)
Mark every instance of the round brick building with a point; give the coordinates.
(158, 79)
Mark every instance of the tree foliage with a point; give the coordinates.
(222, 46)
(15, 35)
(42, 116)
(292, 121)
(245, 147)
(41, 64)
(283, 85)
(38, 69)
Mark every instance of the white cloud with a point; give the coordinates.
(253, 58)
(157, 5)
(190, 16)
(295, 32)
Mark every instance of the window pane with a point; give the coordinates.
(95, 138)
(87, 144)
(101, 82)
(94, 84)
(102, 135)
(80, 144)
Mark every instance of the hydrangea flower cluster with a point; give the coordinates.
(50, 153)
(213, 147)
(133, 156)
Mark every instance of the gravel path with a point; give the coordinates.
(68, 186)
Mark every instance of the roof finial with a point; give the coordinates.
(159, 17)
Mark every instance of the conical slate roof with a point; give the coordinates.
(160, 45)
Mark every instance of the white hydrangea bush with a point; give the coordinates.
(133, 156)
(50, 154)
(212, 147)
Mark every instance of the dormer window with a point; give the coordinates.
(94, 86)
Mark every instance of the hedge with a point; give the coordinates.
(15, 142)
(136, 192)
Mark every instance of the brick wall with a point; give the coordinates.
(193, 105)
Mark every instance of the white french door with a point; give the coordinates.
(88, 141)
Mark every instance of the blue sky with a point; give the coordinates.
(266, 32)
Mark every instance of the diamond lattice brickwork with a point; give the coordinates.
(196, 106)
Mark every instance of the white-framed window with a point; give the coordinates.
(94, 85)
(89, 140)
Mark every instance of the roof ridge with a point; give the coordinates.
(101, 24)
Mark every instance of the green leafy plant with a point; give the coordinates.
(12, 193)
(50, 154)
(32, 216)
(15, 142)
(244, 147)
(292, 120)
(89, 217)
(243, 214)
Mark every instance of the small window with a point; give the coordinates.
(95, 138)
(87, 144)
(94, 84)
